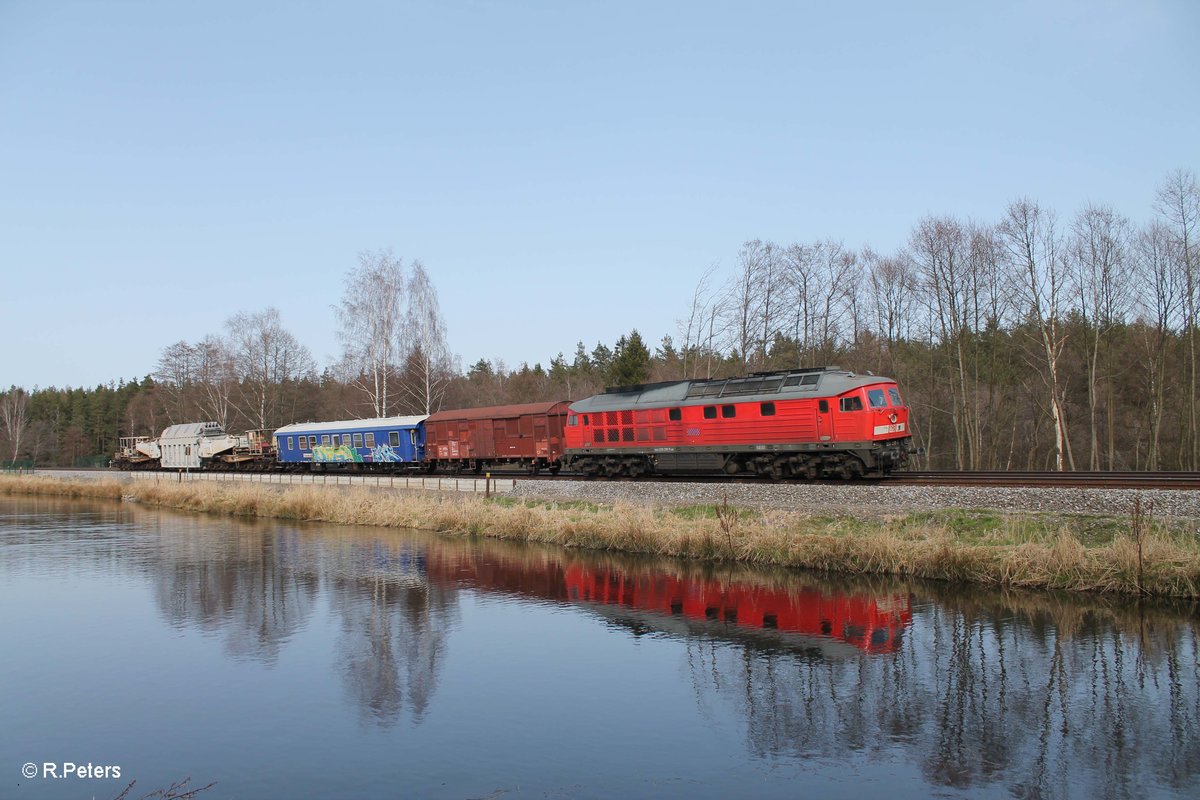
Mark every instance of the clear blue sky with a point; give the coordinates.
(564, 170)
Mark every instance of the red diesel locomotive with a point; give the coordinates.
(823, 422)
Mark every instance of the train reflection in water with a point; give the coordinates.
(784, 613)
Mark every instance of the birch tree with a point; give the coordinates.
(1099, 258)
(1034, 252)
(175, 373)
(1160, 303)
(266, 357)
(14, 408)
(429, 365)
(1178, 205)
(215, 378)
(371, 319)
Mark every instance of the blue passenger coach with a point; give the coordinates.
(385, 440)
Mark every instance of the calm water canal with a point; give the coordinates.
(299, 661)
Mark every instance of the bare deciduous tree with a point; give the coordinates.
(429, 366)
(174, 374)
(1034, 253)
(266, 356)
(1161, 302)
(1098, 254)
(1178, 204)
(14, 408)
(371, 314)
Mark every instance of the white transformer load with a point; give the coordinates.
(192, 445)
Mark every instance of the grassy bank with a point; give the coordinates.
(1130, 555)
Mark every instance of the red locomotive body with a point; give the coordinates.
(528, 435)
(812, 423)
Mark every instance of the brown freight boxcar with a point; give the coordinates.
(528, 436)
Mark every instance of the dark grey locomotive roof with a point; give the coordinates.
(760, 387)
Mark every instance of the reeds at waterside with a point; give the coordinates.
(1132, 556)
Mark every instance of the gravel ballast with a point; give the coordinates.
(873, 499)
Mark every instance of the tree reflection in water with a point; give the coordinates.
(1035, 695)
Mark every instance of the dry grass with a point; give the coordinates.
(1007, 551)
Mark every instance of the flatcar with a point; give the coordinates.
(822, 422)
(527, 436)
(196, 446)
(382, 444)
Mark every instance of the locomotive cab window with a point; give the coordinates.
(675, 414)
(766, 409)
(728, 411)
(852, 404)
(710, 412)
(877, 398)
(572, 421)
(894, 394)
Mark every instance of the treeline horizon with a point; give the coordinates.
(1029, 342)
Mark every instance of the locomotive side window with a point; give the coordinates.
(572, 421)
(394, 438)
(728, 411)
(852, 404)
(894, 394)
(675, 414)
(823, 406)
(766, 409)
(710, 412)
(585, 420)
(877, 398)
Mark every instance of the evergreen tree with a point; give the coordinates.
(630, 363)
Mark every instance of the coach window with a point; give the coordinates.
(370, 438)
(312, 442)
(728, 411)
(394, 438)
(412, 437)
(852, 404)
(876, 398)
(291, 443)
(325, 440)
(675, 414)
(710, 412)
(767, 409)
(358, 440)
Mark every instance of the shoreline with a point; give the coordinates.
(1138, 554)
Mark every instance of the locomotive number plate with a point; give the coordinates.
(881, 429)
